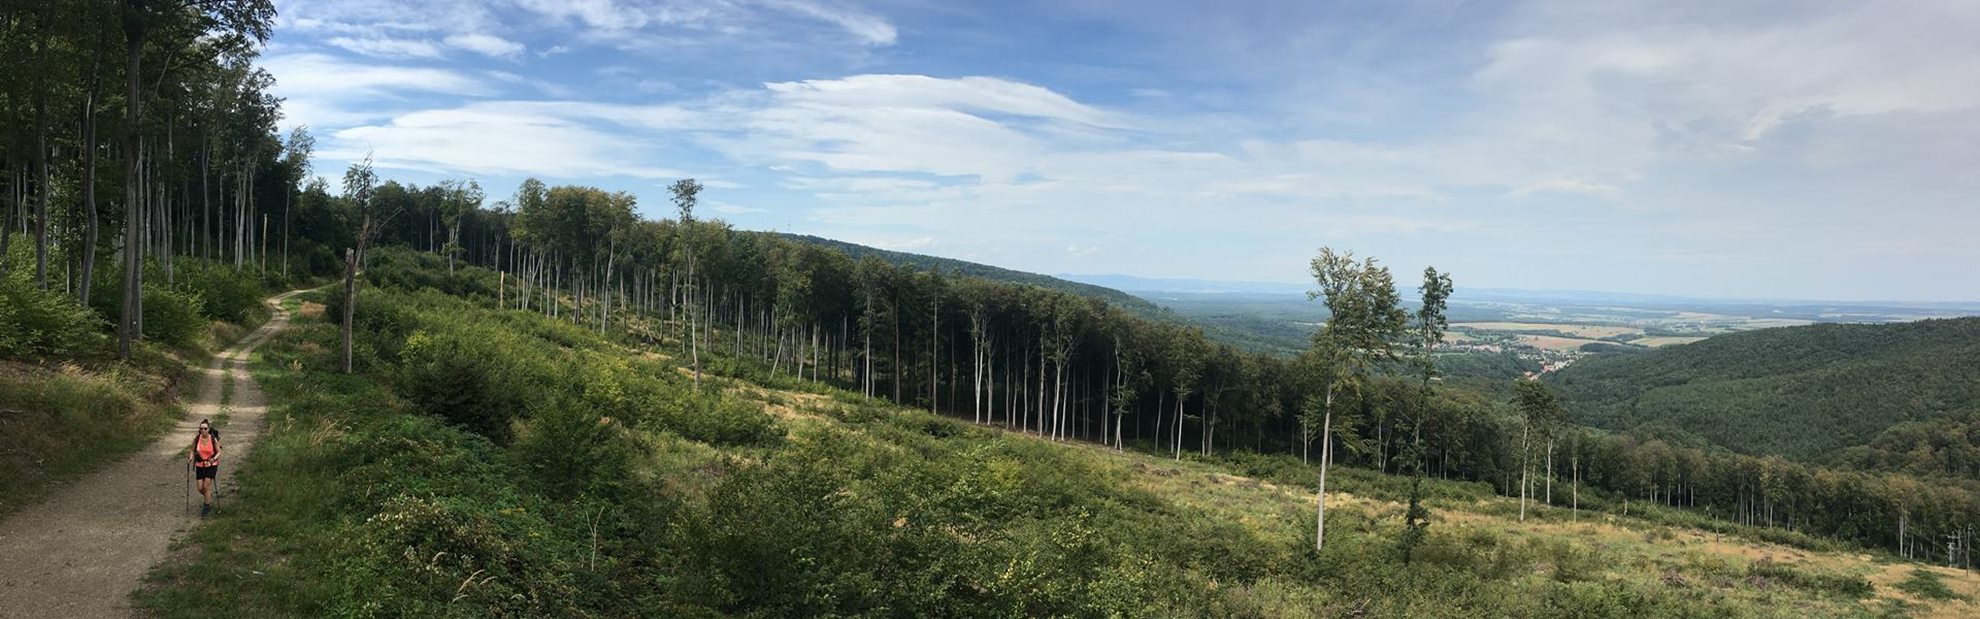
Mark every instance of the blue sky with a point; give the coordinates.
(1801, 149)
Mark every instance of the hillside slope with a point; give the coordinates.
(501, 463)
(1800, 392)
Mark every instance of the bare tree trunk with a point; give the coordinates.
(1524, 468)
(1326, 458)
(350, 302)
(133, 103)
(91, 227)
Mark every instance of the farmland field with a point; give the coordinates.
(1589, 331)
(1664, 340)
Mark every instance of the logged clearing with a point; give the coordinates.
(1756, 577)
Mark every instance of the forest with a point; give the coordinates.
(148, 194)
(1845, 385)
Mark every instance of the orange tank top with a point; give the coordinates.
(206, 447)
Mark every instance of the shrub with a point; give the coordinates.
(477, 377)
(1765, 573)
(172, 316)
(722, 421)
(36, 323)
(225, 293)
(1926, 584)
(571, 451)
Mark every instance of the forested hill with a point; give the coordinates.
(922, 262)
(1802, 392)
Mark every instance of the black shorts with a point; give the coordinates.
(206, 472)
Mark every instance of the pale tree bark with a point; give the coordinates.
(350, 303)
(1524, 468)
(1326, 458)
(133, 261)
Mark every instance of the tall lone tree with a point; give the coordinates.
(686, 192)
(360, 182)
(1365, 318)
(1428, 331)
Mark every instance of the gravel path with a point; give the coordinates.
(82, 551)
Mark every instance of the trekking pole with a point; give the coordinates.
(187, 495)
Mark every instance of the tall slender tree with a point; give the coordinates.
(686, 193)
(1364, 319)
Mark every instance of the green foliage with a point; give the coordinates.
(1838, 385)
(225, 293)
(918, 262)
(1927, 584)
(474, 374)
(1766, 573)
(36, 323)
(172, 316)
(58, 424)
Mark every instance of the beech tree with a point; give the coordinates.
(1364, 319)
(1538, 407)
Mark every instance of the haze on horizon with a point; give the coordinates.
(1809, 150)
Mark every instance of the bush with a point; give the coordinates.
(478, 377)
(1765, 573)
(36, 323)
(225, 293)
(172, 316)
(1926, 584)
(722, 421)
(571, 451)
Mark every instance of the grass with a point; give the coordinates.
(61, 422)
(1929, 585)
(62, 418)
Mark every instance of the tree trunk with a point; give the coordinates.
(1326, 457)
(1524, 468)
(350, 301)
(133, 103)
(91, 225)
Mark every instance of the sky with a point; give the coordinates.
(1804, 149)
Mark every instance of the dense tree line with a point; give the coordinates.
(140, 130)
(1837, 385)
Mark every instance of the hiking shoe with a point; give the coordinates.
(205, 510)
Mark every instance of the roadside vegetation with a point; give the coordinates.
(67, 404)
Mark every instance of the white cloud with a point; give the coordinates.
(386, 47)
(560, 140)
(325, 92)
(486, 44)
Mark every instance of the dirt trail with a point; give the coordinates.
(82, 551)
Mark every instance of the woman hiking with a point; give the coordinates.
(205, 456)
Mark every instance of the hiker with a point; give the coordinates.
(205, 458)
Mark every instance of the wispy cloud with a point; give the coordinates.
(386, 47)
(869, 28)
(486, 45)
